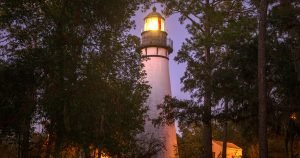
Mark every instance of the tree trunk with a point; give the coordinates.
(99, 151)
(25, 138)
(297, 64)
(19, 143)
(207, 131)
(86, 151)
(49, 140)
(207, 137)
(25, 126)
(57, 151)
(224, 150)
(58, 143)
(262, 109)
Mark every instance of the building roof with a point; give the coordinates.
(154, 14)
(229, 144)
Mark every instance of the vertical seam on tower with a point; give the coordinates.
(146, 51)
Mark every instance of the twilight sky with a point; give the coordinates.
(177, 33)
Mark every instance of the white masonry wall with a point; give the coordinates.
(157, 69)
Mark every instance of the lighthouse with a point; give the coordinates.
(155, 48)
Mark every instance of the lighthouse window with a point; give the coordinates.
(162, 24)
(154, 23)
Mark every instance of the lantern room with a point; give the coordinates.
(154, 34)
(154, 22)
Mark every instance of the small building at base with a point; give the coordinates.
(233, 151)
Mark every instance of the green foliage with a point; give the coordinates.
(214, 26)
(189, 142)
(225, 29)
(228, 30)
(83, 68)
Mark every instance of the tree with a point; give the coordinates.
(235, 76)
(262, 110)
(17, 103)
(225, 128)
(91, 87)
(207, 22)
(189, 141)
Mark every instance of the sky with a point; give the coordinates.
(178, 34)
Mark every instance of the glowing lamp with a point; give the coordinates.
(154, 22)
(293, 116)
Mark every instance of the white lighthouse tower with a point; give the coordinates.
(156, 48)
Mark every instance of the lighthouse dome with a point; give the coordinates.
(154, 14)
